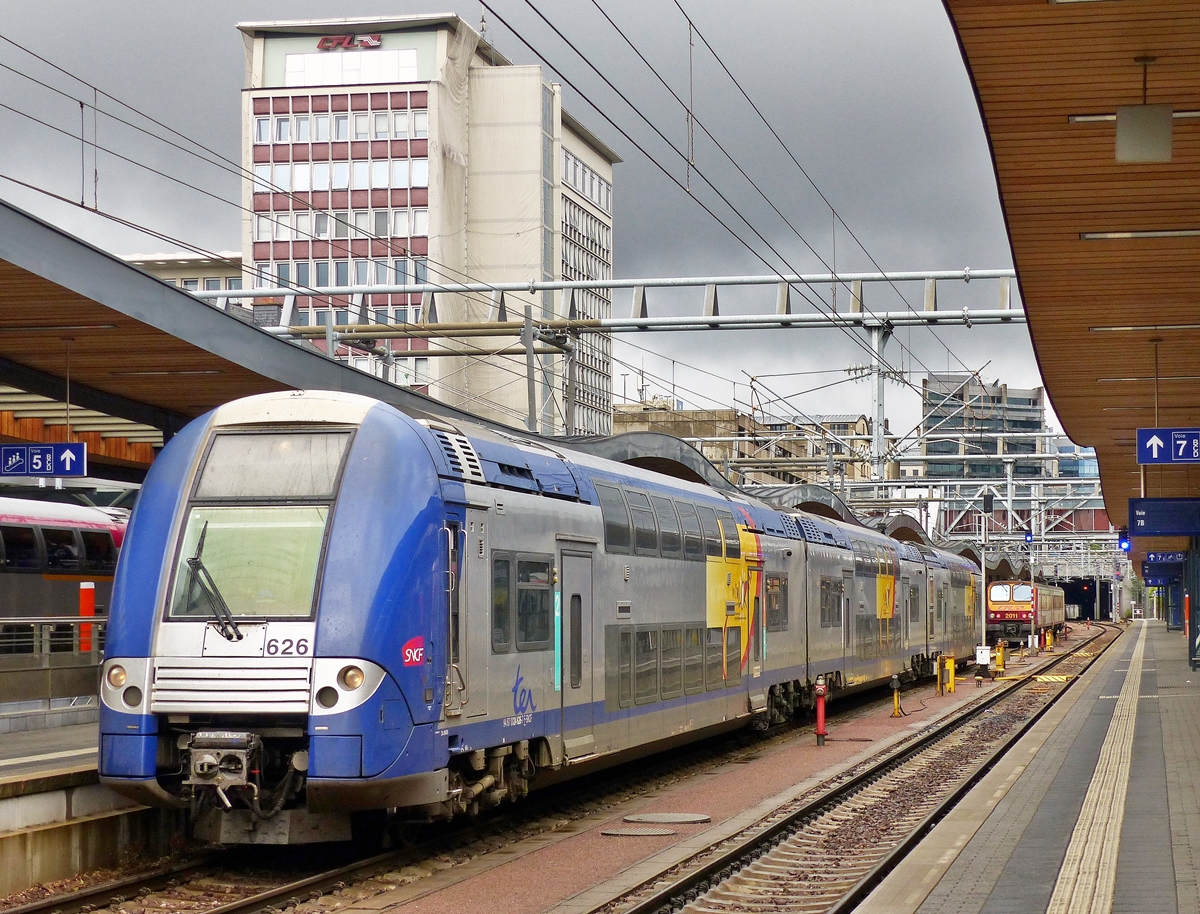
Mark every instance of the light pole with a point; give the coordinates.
(1032, 599)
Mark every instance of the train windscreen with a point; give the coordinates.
(260, 560)
(1022, 593)
(252, 541)
(999, 593)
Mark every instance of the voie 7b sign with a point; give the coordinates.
(43, 459)
(1164, 516)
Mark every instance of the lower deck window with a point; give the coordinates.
(521, 603)
(693, 660)
(624, 667)
(647, 666)
(533, 606)
(672, 662)
(733, 656)
(714, 657)
(777, 603)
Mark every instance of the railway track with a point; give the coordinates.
(826, 853)
(218, 882)
(234, 882)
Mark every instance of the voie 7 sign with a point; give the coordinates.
(1168, 445)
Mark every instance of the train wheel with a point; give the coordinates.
(369, 830)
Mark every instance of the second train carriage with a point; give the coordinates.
(327, 606)
(1018, 609)
(47, 549)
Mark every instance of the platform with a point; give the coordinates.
(1094, 810)
(36, 753)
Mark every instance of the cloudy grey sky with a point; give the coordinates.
(871, 97)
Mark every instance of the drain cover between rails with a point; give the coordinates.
(669, 818)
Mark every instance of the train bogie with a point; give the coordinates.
(384, 613)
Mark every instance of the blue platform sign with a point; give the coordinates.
(43, 460)
(1158, 570)
(1168, 445)
(1166, 558)
(1160, 582)
(1164, 516)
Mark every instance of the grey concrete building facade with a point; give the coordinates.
(402, 150)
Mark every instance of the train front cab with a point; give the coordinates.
(254, 668)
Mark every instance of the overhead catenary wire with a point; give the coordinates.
(304, 290)
(467, 353)
(804, 171)
(471, 354)
(237, 169)
(694, 120)
(674, 180)
(218, 160)
(309, 291)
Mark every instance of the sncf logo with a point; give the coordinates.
(414, 651)
(346, 42)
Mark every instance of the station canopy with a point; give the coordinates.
(135, 357)
(1107, 252)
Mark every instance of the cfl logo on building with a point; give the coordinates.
(349, 42)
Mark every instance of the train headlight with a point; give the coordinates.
(132, 696)
(327, 697)
(116, 676)
(350, 678)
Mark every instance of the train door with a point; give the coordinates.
(457, 693)
(904, 598)
(474, 631)
(848, 620)
(574, 674)
(758, 694)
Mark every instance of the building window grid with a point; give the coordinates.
(591, 238)
(358, 174)
(379, 124)
(586, 254)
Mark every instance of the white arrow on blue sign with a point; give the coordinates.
(1166, 558)
(1168, 445)
(43, 459)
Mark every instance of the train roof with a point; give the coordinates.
(33, 511)
(501, 459)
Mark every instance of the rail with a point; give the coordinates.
(689, 879)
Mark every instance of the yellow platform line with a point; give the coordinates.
(1086, 880)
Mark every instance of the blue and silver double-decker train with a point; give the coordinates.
(324, 606)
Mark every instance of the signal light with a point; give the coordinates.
(1124, 539)
(1029, 536)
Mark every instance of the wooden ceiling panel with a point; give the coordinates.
(1034, 64)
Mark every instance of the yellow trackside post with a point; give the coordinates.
(1049, 639)
(950, 670)
(1000, 657)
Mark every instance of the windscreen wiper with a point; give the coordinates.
(199, 574)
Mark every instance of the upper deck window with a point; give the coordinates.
(273, 465)
(617, 534)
